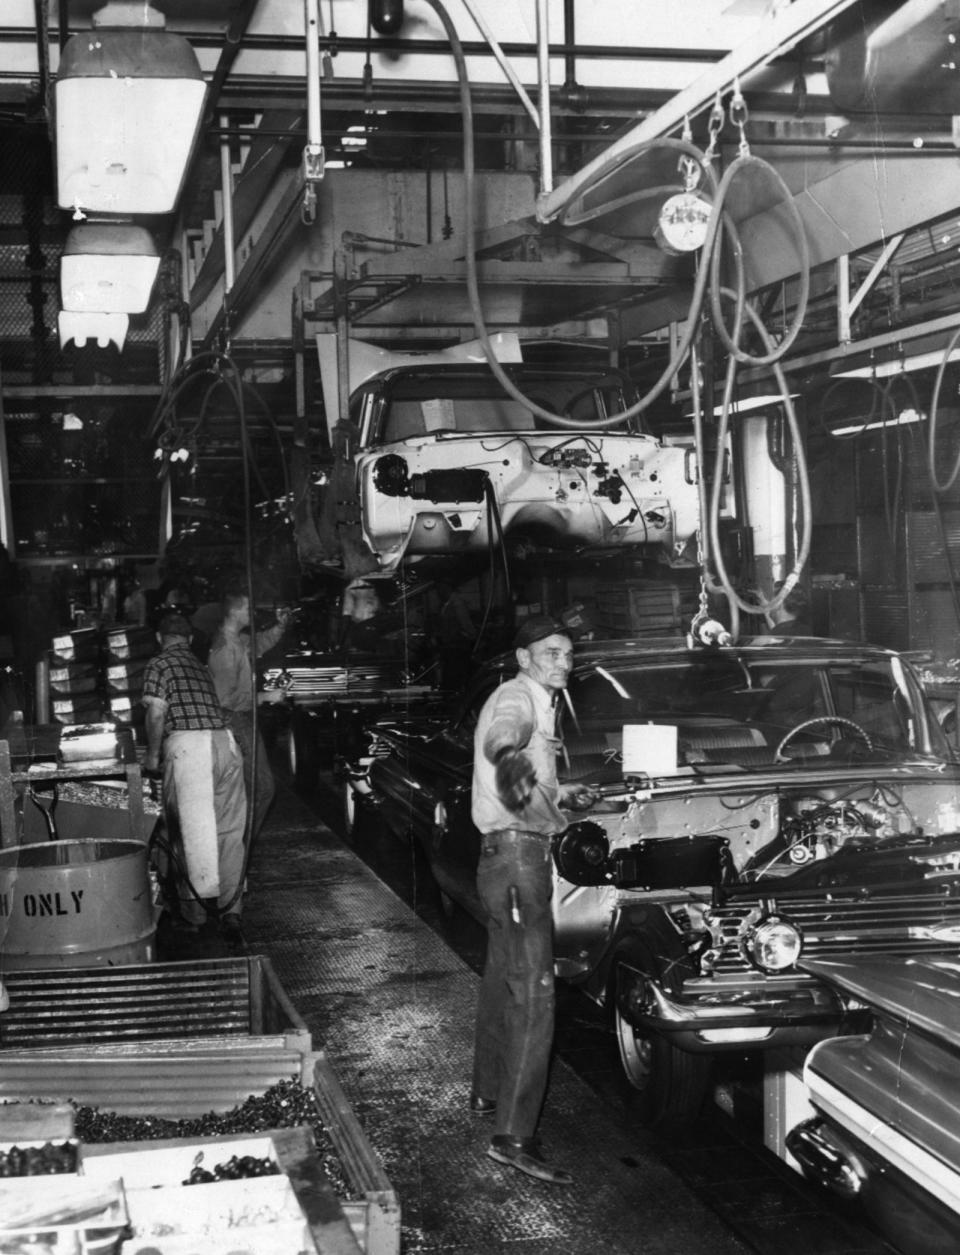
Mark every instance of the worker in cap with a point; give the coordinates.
(517, 806)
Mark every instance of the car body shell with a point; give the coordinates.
(448, 463)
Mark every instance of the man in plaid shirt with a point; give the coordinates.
(203, 786)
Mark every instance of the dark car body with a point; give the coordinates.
(887, 1128)
(811, 806)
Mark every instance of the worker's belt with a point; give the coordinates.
(491, 842)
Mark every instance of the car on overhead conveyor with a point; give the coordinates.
(447, 461)
(757, 804)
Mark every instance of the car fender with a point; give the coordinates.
(637, 929)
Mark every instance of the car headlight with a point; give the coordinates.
(770, 942)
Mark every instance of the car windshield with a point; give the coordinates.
(420, 407)
(732, 710)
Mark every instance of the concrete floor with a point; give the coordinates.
(388, 989)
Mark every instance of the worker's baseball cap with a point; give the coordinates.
(537, 628)
(174, 625)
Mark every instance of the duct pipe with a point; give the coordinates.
(313, 152)
(311, 19)
(543, 79)
(784, 27)
(894, 58)
(226, 179)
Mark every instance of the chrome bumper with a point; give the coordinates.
(710, 1015)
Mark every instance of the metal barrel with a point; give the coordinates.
(75, 903)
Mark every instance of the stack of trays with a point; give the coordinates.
(75, 695)
(127, 651)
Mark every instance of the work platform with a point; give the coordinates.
(392, 1005)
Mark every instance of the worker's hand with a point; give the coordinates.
(578, 797)
(515, 779)
(151, 764)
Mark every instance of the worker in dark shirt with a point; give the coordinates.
(203, 789)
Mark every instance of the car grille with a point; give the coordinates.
(899, 924)
(346, 682)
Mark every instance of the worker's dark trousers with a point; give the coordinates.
(515, 1012)
(260, 791)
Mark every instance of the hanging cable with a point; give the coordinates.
(760, 605)
(940, 486)
(717, 216)
(709, 269)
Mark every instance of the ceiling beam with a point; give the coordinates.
(783, 28)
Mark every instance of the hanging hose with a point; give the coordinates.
(709, 269)
(940, 487)
(725, 586)
(47, 812)
(494, 524)
(706, 270)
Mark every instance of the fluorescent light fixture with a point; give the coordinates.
(108, 268)
(896, 366)
(746, 404)
(128, 102)
(903, 419)
(104, 328)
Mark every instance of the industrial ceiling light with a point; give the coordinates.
(905, 418)
(128, 99)
(744, 405)
(103, 328)
(108, 268)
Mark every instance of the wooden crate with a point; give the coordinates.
(177, 1040)
(296, 1209)
(149, 1001)
(66, 1214)
(179, 1079)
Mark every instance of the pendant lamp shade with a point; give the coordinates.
(108, 268)
(128, 104)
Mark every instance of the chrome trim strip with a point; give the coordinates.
(926, 1171)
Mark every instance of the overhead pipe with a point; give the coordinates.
(226, 179)
(501, 59)
(236, 35)
(786, 26)
(543, 81)
(573, 93)
(313, 152)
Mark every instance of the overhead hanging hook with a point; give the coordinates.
(738, 116)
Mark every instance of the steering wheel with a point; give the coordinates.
(812, 723)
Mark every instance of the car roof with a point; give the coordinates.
(663, 650)
(480, 370)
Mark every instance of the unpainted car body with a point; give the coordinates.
(887, 1128)
(448, 463)
(813, 804)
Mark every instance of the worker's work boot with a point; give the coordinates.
(525, 1154)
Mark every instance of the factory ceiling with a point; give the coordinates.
(345, 159)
